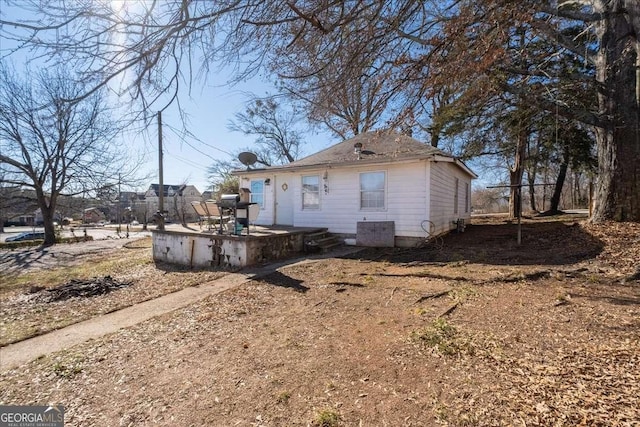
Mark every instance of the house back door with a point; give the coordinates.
(284, 200)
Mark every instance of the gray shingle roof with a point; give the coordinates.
(376, 146)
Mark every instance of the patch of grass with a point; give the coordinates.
(462, 293)
(326, 418)
(420, 311)
(93, 267)
(284, 397)
(368, 279)
(441, 412)
(67, 370)
(442, 337)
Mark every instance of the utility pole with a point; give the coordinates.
(119, 202)
(160, 174)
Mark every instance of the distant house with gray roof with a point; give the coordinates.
(381, 180)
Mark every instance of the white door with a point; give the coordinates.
(284, 200)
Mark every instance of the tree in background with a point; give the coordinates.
(483, 46)
(277, 140)
(53, 146)
(574, 147)
(219, 174)
(347, 89)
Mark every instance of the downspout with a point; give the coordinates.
(274, 195)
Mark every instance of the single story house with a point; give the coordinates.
(380, 188)
(93, 215)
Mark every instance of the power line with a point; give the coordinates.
(189, 162)
(182, 133)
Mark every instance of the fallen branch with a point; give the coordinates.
(449, 310)
(432, 296)
(355, 285)
(80, 288)
(423, 275)
(425, 263)
(536, 275)
(635, 276)
(391, 296)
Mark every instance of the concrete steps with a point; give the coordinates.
(321, 241)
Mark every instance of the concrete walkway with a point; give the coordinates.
(30, 349)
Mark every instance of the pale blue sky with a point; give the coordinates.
(210, 107)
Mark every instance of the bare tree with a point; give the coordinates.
(219, 174)
(273, 128)
(474, 43)
(348, 89)
(52, 146)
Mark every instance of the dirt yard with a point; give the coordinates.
(470, 330)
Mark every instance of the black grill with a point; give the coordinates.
(228, 201)
(231, 203)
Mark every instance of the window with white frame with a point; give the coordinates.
(257, 192)
(311, 192)
(372, 189)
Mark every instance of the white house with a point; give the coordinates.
(177, 201)
(378, 182)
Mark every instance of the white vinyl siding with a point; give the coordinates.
(414, 191)
(310, 192)
(456, 185)
(405, 193)
(444, 176)
(466, 197)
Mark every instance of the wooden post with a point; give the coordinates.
(519, 192)
(590, 198)
(160, 175)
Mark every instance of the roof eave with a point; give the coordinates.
(352, 163)
(457, 161)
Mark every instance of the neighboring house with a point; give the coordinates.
(92, 215)
(177, 201)
(122, 209)
(382, 178)
(17, 206)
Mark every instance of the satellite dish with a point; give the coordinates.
(247, 158)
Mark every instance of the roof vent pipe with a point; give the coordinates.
(357, 148)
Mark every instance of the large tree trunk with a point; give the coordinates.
(562, 175)
(47, 209)
(617, 195)
(532, 192)
(515, 176)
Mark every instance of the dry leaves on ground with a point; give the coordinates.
(553, 340)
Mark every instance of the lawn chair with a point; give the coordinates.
(201, 212)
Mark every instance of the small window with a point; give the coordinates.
(257, 192)
(455, 196)
(311, 192)
(372, 186)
